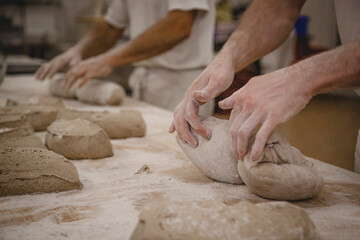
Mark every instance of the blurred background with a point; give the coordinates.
(34, 31)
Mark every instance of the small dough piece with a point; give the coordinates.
(27, 141)
(27, 170)
(4, 101)
(14, 125)
(78, 139)
(123, 124)
(213, 220)
(31, 99)
(94, 91)
(213, 156)
(282, 172)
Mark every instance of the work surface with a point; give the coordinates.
(113, 194)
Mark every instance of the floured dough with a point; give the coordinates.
(123, 124)
(213, 220)
(94, 91)
(27, 141)
(282, 172)
(26, 170)
(14, 125)
(212, 156)
(30, 99)
(78, 139)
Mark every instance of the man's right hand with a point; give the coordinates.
(216, 78)
(69, 58)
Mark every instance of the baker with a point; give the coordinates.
(171, 42)
(272, 98)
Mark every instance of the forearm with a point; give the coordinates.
(100, 39)
(263, 27)
(161, 37)
(335, 69)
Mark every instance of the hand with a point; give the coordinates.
(93, 67)
(69, 58)
(216, 78)
(266, 100)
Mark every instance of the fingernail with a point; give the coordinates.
(208, 134)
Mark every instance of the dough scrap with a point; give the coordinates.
(27, 141)
(282, 173)
(208, 220)
(14, 125)
(123, 124)
(94, 91)
(213, 156)
(78, 139)
(27, 170)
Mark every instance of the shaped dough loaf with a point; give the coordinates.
(213, 220)
(26, 170)
(212, 156)
(78, 139)
(123, 124)
(282, 172)
(94, 91)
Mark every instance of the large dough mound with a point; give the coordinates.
(78, 139)
(213, 220)
(123, 124)
(14, 125)
(212, 156)
(282, 172)
(35, 170)
(94, 91)
(27, 141)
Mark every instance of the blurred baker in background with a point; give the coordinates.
(273, 98)
(171, 42)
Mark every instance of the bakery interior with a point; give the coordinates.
(146, 166)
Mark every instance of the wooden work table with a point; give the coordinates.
(113, 194)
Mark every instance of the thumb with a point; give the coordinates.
(227, 103)
(208, 93)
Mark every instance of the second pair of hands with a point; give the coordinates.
(79, 69)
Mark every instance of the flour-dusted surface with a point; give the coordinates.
(108, 205)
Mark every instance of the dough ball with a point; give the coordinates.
(27, 141)
(282, 172)
(209, 220)
(123, 124)
(78, 139)
(14, 125)
(27, 170)
(213, 157)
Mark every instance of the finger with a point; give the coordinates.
(211, 90)
(84, 81)
(53, 69)
(261, 138)
(228, 103)
(39, 72)
(192, 117)
(234, 113)
(43, 73)
(172, 127)
(234, 131)
(183, 131)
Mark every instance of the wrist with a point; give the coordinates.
(299, 77)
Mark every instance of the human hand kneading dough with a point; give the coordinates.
(93, 67)
(216, 78)
(266, 100)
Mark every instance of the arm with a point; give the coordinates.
(274, 98)
(262, 28)
(161, 37)
(97, 41)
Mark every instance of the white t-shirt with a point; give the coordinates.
(138, 15)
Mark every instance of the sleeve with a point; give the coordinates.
(117, 14)
(187, 5)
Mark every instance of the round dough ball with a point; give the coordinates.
(282, 172)
(213, 157)
(213, 220)
(26, 170)
(78, 139)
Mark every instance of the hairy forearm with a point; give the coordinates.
(100, 39)
(263, 27)
(338, 68)
(161, 37)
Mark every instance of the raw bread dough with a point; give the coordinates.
(209, 220)
(31, 99)
(26, 170)
(94, 91)
(27, 141)
(282, 173)
(212, 156)
(78, 139)
(123, 124)
(14, 125)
